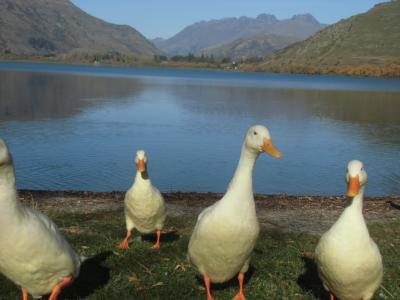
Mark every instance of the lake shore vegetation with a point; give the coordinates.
(191, 61)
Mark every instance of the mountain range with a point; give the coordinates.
(205, 35)
(43, 27)
(369, 39)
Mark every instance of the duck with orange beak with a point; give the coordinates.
(348, 260)
(144, 205)
(226, 232)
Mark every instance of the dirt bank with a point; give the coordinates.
(311, 214)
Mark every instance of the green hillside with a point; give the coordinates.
(365, 44)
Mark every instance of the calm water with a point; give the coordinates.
(78, 128)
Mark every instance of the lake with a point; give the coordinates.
(78, 128)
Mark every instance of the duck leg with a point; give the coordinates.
(57, 289)
(207, 282)
(240, 295)
(124, 243)
(157, 244)
(24, 294)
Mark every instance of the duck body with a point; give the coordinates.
(144, 206)
(220, 245)
(348, 260)
(33, 253)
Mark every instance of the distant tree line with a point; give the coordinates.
(101, 57)
(205, 58)
(254, 64)
(390, 69)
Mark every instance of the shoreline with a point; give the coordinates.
(174, 195)
(299, 214)
(364, 70)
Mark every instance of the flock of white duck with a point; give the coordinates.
(37, 258)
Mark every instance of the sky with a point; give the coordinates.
(165, 18)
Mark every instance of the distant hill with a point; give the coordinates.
(208, 34)
(157, 40)
(366, 41)
(255, 46)
(45, 27)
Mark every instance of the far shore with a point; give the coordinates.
(391, 70)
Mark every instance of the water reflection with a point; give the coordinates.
(352, 106)
(375, 115)
(33, 96)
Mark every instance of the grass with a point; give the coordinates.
(281, 267)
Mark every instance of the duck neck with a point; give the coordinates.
(242, 181)
(357, 202)
(352, 223)
(8, 192)
(142, 179)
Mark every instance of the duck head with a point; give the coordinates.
(356, 177)
(141, 161)
(258, 140)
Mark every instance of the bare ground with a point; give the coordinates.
(309, 214)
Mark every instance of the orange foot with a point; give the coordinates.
(24, 294)
(123, 245)
(207, 283)
(156, 246)
(57, 289)
(239, 296)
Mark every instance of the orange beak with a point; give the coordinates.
(353, 186)
(269, 148)
(141, 165)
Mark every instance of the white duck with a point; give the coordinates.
(144, 204)
(226, 232)
(348, 260)
(33, 253)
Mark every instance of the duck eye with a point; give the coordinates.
(255, 132)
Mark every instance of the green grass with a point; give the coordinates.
(279, 268)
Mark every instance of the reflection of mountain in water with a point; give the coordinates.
(30, 96)
(351, 106)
